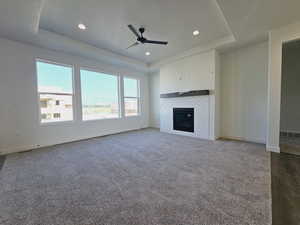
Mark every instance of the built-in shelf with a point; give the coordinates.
(185, 94)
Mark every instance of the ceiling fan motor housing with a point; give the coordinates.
(141, 38)
(142, 30)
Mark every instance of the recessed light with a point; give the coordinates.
(147, 53)
(81, 26)
(196, 32)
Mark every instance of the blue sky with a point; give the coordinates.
(130, 87)
(95, 89)
(55, 76)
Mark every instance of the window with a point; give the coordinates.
(55, 89)
(131, 96)
(56, 115)
(100, 95)
(44, 116)
(43, 103)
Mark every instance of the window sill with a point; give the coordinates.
(56, 123)
(133, 116)
(93, 120)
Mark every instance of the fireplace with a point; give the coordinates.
(183, 119)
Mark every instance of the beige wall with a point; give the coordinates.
(244, 93)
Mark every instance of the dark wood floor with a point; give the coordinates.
(285, 189)
(2, 159)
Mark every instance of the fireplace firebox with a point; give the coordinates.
(183, 119)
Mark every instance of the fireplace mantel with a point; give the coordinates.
(185, 94)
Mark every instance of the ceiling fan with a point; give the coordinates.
(141, 39)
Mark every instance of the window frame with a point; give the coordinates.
(36, 60)
(138, 96)
(100, 71)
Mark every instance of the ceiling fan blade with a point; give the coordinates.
(156, 42)
(134, 44)
(133, 30)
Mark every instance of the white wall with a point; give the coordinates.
(244, 93)
(217, 94)
(19, 120)
(195, 72)
(290, 92)
(276, 38)
(154, 88)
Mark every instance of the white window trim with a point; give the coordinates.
(119, 92)
(73, 94)
(138, 96)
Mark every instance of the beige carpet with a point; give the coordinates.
(138, 178)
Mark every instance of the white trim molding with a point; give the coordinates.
(273, 149)
(276, 38)
(253, 140)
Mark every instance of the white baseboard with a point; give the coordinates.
(183, 133)
(155, 127)
(253, 140)
(273, 149)
(290, 131)
(19, 149)
(69, 140)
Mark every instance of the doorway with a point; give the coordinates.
(290, 98)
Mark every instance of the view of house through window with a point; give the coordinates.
(100, 95)
(55, 89)
(131, 96)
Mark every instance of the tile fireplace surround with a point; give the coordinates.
(201, 105)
